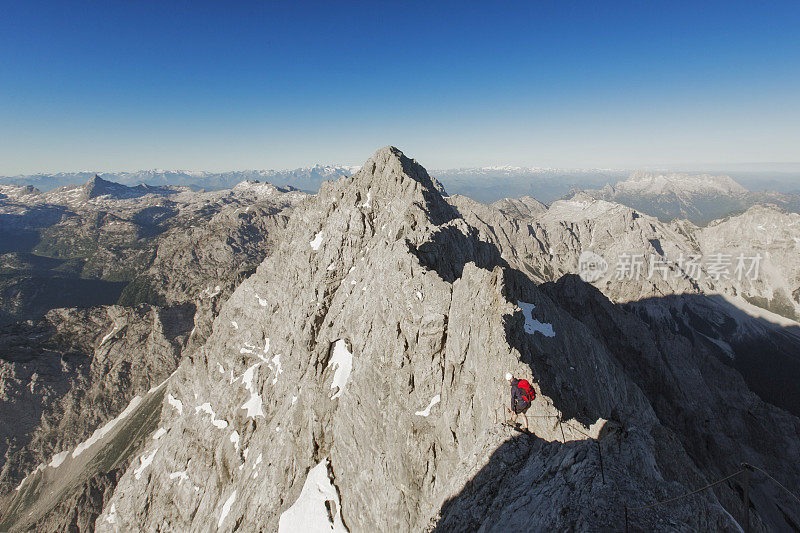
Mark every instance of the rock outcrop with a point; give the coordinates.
(355, 381)
(371, 347)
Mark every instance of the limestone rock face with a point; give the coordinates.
(67, 374)
(355, 379)
(374, 341)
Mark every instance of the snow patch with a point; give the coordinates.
(248, 377)
(58, 458)
(235, 440)
(342, 363)
(146, 460)
(531, 324)
(175, 403)
(261, 301)
(211, 293)
(181, 475)
(226, 508)
(253, 406)
(277, 368)
(159, 433)
(112, 515)
(309, 512)
(315, 244)
(99, 433)
(427, 411)
(234, 324)
(111, 333)
(39, 468)
(206, 408)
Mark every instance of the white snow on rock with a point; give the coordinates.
(253, 406)
(369, 197)
(112, 515)
(277, 368)
(248, 377)
(234, 324)
(425, 412)
(315, 244)
(39, 468)
(159, 433)
(418, 295)
(206, 408)
(342, 363)
(331, 267)
(146, 460)
(531, 324)
(58, 458)
(226, 508)
(99, 433)
(111, 333)
(309, 512)
(175, 403)
(209, 293)
(160, 385)
(181, 475)
(235, 440)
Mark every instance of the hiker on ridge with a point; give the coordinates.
(522, 394)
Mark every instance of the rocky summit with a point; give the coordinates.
(355, 381)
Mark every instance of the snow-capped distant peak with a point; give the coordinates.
(654, 184)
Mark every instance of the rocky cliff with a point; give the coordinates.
(355, 382)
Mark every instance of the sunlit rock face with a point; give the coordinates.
(355, 381)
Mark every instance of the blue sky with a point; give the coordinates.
(127, 85)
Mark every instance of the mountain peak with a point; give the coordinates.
(390, 163)
(97, 186)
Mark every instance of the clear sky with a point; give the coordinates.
(125, 85)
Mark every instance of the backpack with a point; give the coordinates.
(528, 393)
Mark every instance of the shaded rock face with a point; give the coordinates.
(79, 513)
(751, 322)
(65, 375)
(375, 338)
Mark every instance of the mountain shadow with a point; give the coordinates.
(681, 352)
(720, 383)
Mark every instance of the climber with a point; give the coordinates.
(522, 394)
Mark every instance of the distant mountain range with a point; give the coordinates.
(308, 178)
(696, 197)
(278, 361)
(693, 196)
